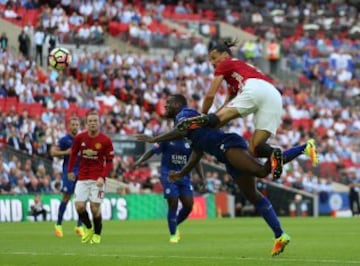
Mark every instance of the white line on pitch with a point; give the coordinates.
(325, 261)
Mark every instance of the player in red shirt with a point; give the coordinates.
(249, 92)
(96, 153)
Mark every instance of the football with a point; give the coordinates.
(59, 58)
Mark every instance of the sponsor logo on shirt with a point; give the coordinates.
(98, 146)
(178, 159)
(90, 154)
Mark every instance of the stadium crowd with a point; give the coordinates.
(130, 91)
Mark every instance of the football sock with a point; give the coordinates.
(61, 211)
(263, 150)
(292, 153)
(264, 207)
(97, 225)
(84, 217)
(79, 223)
(183, 214)
(171, 217)
(213, 120)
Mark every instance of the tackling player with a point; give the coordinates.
(230, 149)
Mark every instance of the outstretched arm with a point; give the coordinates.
(210, 95)
(57, 152)
(147, 155)
(171, 135)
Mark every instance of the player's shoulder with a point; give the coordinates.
(105, 136)
(82, 134)
(227, 63)
(64, 137)
(186, 113)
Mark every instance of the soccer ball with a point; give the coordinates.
(59, 58)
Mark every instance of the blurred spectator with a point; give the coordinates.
(10, 13)
(14, 139)
(354, 188)
(37, 208)
(273, 55)
(24, 44)
(39, 38)
(96, 33)
(20, 187)
(3, 42)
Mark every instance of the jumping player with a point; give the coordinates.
(249, 92)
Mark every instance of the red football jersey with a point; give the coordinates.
(236, 72)
(96, 155)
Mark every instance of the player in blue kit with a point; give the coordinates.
(230, 149)
(63, 150)
(175, 155)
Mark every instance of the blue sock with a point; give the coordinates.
(61, 211)
(183, 214)
(79, 223)
(171, 217)
(264, 207)
(292, 153)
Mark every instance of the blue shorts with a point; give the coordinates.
(231, 141)
(182, 187)
(68, 186)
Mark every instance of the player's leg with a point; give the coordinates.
(247, 184)
(241, 160)
(43, 213)
(171, 194)
(81, 197)
(242, 105)
(187, 202)
(172, 218)
(309, 149)
(61, 211)
(96, 197)
(97, 221)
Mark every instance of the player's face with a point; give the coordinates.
(93, 123)
(74, 126)
(216, 57)
(170, 108)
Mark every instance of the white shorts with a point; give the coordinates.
(262, 99)
(88, 190)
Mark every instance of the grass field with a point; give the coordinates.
(242, 241)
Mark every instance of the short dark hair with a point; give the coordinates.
(179, 98)
(224, 46)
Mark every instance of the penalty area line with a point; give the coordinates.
(320, 261)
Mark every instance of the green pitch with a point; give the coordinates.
(241, 241)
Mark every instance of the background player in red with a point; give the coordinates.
(96, 153)
(249, 92)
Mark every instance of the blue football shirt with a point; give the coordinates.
(212, 141)
(65, 143)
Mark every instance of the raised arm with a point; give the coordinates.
(210, 95)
